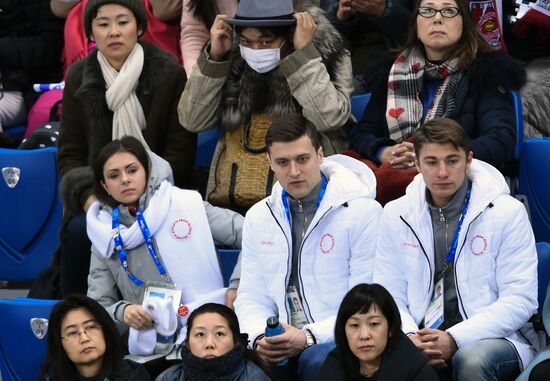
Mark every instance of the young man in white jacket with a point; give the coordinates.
(305, 246)
(457, 253)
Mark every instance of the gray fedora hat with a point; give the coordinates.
(262, 13)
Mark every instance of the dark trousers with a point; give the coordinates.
(75, 256)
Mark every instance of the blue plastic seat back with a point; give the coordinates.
(21, 351)
(228, 260)
(534, 183)
(206, 145)
(31, 212)
(358, 105)
(518, 113)
(543, 254)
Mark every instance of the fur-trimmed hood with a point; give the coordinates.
(158, 65)
(240, 92)
(494, 69)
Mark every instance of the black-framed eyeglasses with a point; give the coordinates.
(90, 331)
(447, 12)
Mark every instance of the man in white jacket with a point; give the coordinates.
(458, 254)
(305, 245)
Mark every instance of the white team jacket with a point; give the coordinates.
(337, 251)
(495, 264)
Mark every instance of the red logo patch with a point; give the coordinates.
(478, 245)
(327, 243)
(183, 310)
(410, 244)
(181, 229)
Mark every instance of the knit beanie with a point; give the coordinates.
(134, 5)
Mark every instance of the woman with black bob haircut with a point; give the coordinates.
(369, 342)
(215, 349)
(83, 343)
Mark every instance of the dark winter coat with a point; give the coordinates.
(130, 371)
(483, 108)
(244, 371)
(31, 40)
(404, 363)
(86, 123)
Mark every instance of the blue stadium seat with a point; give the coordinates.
(518, 113)
(534, 183)
(543, 254)
(358, 105)
(206, 145)
(31, 212)
(228, 260)
(22, 350)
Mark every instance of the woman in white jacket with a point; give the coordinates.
(151, 243)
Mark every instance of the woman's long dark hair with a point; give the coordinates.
(206, 10)
(57, 365)
(233, 323)
(470, 44)
(359, 300)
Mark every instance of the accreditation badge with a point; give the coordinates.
(434, 315)
(297, 315)
(163, 290)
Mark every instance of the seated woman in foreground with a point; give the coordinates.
(153, 255)
(215, 349)
(369, 342)
(83, 344)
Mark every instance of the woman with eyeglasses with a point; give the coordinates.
(445, 69)
(83, 344)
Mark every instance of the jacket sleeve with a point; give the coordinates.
(389, 270)
(253, 304)
(43, 47)
(372, 130)
(199, 103)
(362, 248)
(102, 287)
(516, 282)
(73, 143)
(496, 128)
(179, 144)
(324, 102)
(226, 225)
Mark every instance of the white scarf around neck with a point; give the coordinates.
(121, 97)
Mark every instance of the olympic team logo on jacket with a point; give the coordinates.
(327, 243)
(478, 245)
(181, 229)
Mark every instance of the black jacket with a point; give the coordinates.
(483, 108)
(31, 40)
(404, 363)
(87, 122)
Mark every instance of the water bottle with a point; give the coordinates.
(274, 328)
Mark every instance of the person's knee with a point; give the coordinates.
(312, 359)
(486, 359)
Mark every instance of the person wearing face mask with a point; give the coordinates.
(266, 61)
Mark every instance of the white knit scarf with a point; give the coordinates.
(121, 96)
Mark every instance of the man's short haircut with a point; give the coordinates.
(441, 131)
(290, 127)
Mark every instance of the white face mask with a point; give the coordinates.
(261, 60)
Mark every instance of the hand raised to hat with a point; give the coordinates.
(345, 10)
(221, 38)
(305, 29)
(369, 7)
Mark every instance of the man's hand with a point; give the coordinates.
(278, 348)
(221, 38)
(399, 156)
(136, 317)
(230, 297)
(369, 7)
(305, 29)
(437, 345)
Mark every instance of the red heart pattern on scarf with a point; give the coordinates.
(399, 59)
(396, 112)
(415, 67)
(392, 85)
